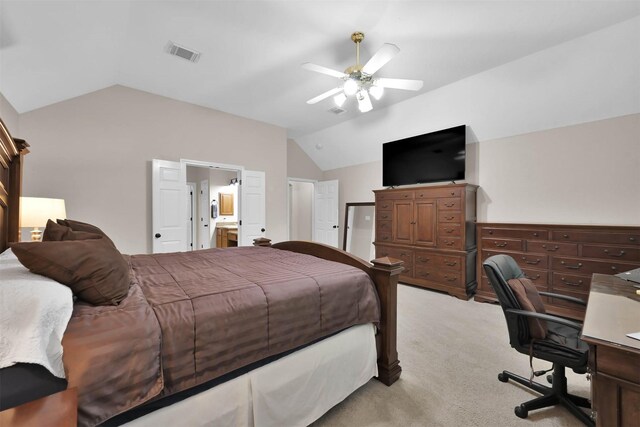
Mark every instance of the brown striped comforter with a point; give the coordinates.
(222, 309)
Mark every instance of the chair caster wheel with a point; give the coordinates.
(550, 379)
(521, 411)
(502, 377)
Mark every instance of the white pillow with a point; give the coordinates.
(34, 313)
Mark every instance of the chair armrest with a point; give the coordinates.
(564, 297)
(543, 316)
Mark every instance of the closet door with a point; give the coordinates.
(424, 215)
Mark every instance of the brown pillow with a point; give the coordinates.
(529, 299)
(83, 226)
(94, 270)
(55, 233)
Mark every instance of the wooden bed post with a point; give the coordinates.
(386, 272)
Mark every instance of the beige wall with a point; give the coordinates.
(581, 174)
(95, 151)
(9, 116)
(299, 164)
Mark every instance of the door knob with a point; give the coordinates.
(158, 235)
(335, 226)
(262, 229)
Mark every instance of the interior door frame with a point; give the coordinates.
(192, 188)
(218, 166)
(313, 228)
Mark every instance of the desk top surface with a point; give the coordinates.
(613, 311)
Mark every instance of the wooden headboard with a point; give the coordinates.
(11, 157)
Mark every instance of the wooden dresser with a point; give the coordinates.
(559, 258)
(431, 229)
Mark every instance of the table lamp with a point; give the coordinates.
(35, 211)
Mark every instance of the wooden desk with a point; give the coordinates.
(55, 410)
(614, 359)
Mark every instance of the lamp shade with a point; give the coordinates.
(35, 211)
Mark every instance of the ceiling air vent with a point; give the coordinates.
(336, 110)
(183, 52)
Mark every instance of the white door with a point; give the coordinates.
(325, 228)
(204, 212)
(191, 215)
(169, 206)
(252, 219)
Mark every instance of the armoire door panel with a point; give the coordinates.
(425, 223)
(403, 222)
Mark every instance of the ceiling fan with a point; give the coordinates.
(358, 80)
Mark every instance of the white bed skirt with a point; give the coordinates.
(293, 391)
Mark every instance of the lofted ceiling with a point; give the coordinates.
(251, 51)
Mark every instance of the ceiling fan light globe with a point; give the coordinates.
(339, 99)
(350, 87)
(376, 92)
(364, 102)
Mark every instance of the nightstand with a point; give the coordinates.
(56, 410)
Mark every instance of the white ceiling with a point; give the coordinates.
(252, 50)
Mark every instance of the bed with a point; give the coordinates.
(255, 327)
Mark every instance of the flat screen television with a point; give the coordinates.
(432, 157)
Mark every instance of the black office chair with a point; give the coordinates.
(539, 335)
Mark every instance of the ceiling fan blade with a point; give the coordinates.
(404, 84)
(324, 70)
(324, 95)
(381, 57)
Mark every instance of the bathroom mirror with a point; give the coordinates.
(359, 230)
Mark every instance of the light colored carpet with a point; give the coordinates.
(451, 352)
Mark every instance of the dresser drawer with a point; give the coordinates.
(540, 286)
(405, 255)
(522, 259)
(450, 204)
(383, 236)
(395, 195)
(384, 205)
(431, 260)
(584, 296)
(588, 267)
(596, 237)
(383, 226)
(449, 242)
(537, 277)
(563, 282)
(502, 244)
(569, 249)
(447, 277)
(384, 215)
(447, 216)
(438, 193)
(521, 233)
(446, 230)
(611, 252)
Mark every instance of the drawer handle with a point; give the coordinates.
(422, 259)
(555, 248)
(453, 193)
(425, 274)
(606, 251)
(450, 264)
(421, 195)
(385, 238)
(524, 258)
(450, 279)
(573, 267)
(532, 278)
(449, 230)
(566, 282)
(500, 245)
(535, 234)
(449, 218)
(449, 243)
(450, 205)
(632, 239)
(385, 216)
(566, 236)
(614, 268)
(385, 206)
(406, 195)
(490, 231)
(403, 254)
(412, 222)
